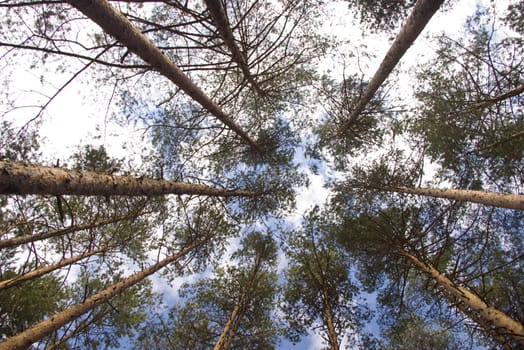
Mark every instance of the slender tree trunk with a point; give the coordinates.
(116, 24)
(502, 200)
(24, 178)
(330, 323)
(417, 20)
(16, 241)
(218, 13)
(498, 319)
(230, 328)
(24, 339)
(46, 269)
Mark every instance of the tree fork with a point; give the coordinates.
(117, 25)
(23, 340)
(25, 178)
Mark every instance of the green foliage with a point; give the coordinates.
(249, 283)
(317, 278)
(23, 306)
(363, 133)
(382, 14)
(472, 138)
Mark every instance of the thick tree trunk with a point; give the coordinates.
(502, 200)
(498, 319)
(417, 20)
(116, 24)
(46, 269)
(24, 178)
(24, 339)
(220, 20)
(16, 241)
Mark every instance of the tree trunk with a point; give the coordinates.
(16, 241)
(116, 24)
(220, 20)
(24, 339)
(24, 178)
(12, 282)
(417, 20)
(230, 329)
(330, 323)
(502, 200)
(498, 319)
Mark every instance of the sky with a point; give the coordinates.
(74, 118)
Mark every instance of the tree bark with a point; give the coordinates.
(502, 200)
(24, 178)
(117, 25)
(498, 319)
(24, 339)
(230, 328)
(219, 16)
(12, 282)
(16, 241)
(330, 323)
(417, 20)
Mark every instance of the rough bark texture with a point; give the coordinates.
(219, 16)
(417, 20)
(502, 200)
(24, 339)
(16, 241)
(24, 178)
(498, 319)
(117, 25)
(46, 269)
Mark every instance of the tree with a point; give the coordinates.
(417, 20)
(469, 121)
(24, 339)
(232, 309)
(430, 239)
(318, 292)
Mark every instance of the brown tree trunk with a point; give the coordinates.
(230, 329)
(498, 319)
(417, 20)
(330, 323)
(502, 200)
(220, 20)
(12, 282)
(16, 241)
(24, 178)
(24, 339)
(116, 24)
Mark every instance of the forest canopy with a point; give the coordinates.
(261, 174)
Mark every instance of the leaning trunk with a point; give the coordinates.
(417, 20)
(230, 329)
(490, 316)
(24, 339)
(116, 24)
(16, 241)
(502, 200)
(220, 20)
(24, 178)
(12, 282)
